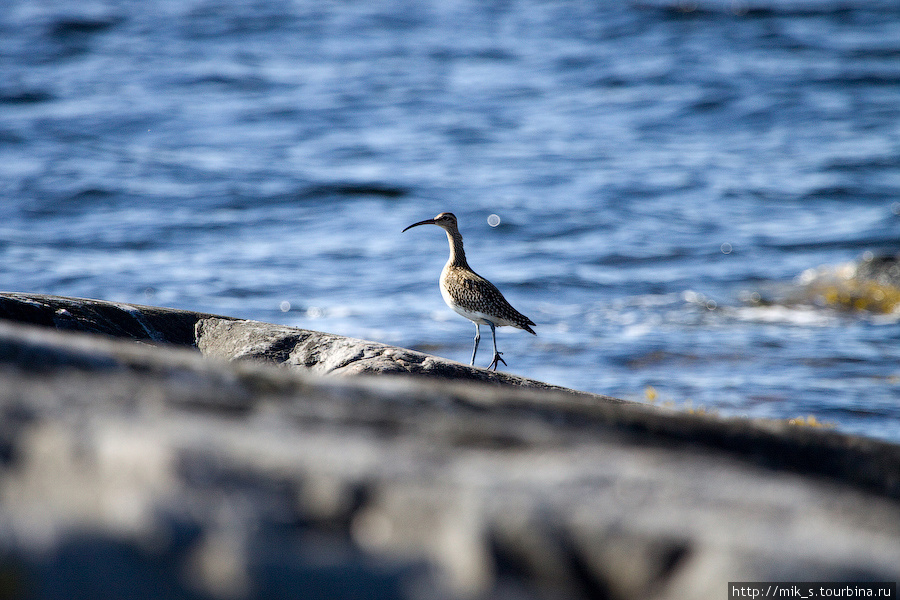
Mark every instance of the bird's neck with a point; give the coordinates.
(457, 253)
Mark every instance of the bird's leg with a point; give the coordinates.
(497, 358)
(477, 339)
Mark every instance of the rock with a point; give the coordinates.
(235, 339)
(871, 284)
(135, 470)
(328, 354)
(882, 269)
(132, 321)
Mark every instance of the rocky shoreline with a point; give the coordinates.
(158, 453)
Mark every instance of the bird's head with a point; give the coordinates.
(445, 220)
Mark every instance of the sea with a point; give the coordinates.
(633, 175)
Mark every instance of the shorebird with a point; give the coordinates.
(470, 294)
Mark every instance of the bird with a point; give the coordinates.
(470, 294)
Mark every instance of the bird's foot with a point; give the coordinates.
(497, 359)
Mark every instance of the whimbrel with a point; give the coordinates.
(470, 294)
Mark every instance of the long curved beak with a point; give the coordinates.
(425, 222)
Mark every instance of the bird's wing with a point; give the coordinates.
(481, 295)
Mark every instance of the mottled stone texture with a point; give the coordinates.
(147, 470)
(329, 354)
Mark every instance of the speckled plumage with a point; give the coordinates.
(475, 294)
(470, 294)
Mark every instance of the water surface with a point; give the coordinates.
(652, 165)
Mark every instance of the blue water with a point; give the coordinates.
(651, 164)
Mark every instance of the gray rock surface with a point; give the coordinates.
(118, 319)
(329, 354)
(236, 339)
(135, 470)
